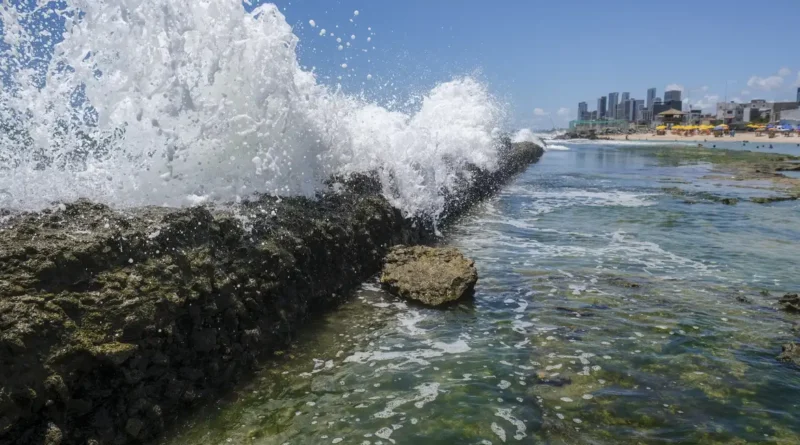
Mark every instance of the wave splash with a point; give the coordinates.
(177, 102)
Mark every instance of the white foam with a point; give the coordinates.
(505, 413)
(210, 100)
(426, 393)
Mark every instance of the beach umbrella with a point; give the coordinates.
(721, 128)
(661, 127)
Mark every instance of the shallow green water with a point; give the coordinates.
(608, 311)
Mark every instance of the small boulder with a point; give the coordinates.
(790, 352)
(790, 303)
(431, 275)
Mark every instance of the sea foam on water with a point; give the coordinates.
(174, 102)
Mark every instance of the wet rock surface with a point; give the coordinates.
(790, 353)
(790, 303)
(430, 275)
(113, 322)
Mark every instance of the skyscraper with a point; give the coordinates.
(613, 101)
(583, 110)
(625, 97)
(638, 109)
(629, 110)
(673, 95)
(798, 95)
(651, 98)
(601, 107)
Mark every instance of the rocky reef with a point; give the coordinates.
(430, 275)
(112, 322)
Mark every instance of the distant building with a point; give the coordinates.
(613, 101)
(601, 107)
(798, 95)
(594, 115)
(672, 95)
(638, 107)
(791, 117)
(629, 110)
(583, 108)
(694, 117)
(651, 98)
(757, 109)
(619, 112)
(659, 106)
(625, 97)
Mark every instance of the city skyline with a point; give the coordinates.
(630, 108)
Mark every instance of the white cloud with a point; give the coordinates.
(563, 111)
(674, 87)
(704, 88)
(783, 72)
(707, 103)
(539, 112)
(765, 83)
(745, 92)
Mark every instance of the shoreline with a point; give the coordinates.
(707, 139)
(115, 322)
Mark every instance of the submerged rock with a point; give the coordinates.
(431, 275)
(790, 302)
(790, 353)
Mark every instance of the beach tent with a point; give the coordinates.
(722, 127)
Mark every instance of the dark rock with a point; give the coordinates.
(134, 426)
(53, 435)
(153, 309)
(770, 199)
(743, 299)
(204, 340)
(431, 275)
(790, 353)
(790, 303)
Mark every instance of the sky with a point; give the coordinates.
(543, 57)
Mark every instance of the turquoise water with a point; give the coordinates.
(608, 311)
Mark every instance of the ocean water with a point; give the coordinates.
(607, 312)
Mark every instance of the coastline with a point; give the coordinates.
(707, 139)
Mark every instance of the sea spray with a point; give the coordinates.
(157, 102)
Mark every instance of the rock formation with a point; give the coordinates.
(430, 275)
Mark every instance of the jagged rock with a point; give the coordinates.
(790, 303)
(53, 435)
(112, 318)
(431, 275)
(790, 352)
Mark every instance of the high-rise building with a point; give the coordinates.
(629, 110)
(672, 95)
(638, 110)
(613, 101)
(798, 95)
(601, 107)
(620, 111)
(625, 97)
(651, 98)
(583, 109)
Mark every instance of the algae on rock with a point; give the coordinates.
(433, 276)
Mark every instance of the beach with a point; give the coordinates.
(700, 138)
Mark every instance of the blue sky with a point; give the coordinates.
(543, 57)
